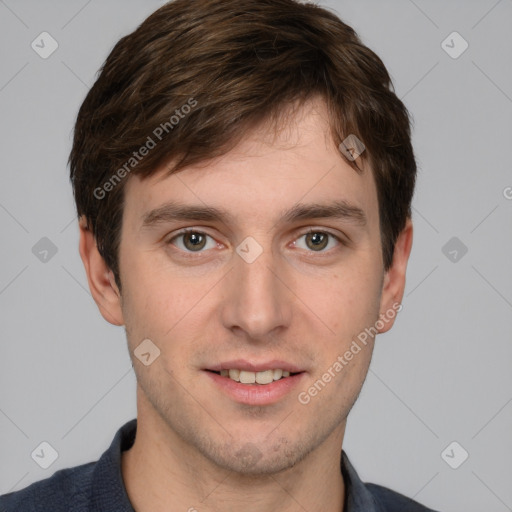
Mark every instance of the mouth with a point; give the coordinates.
(255, 384)
(261, 378)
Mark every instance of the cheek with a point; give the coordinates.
(350, 307)
(348, 301)
(151, 305)
(166, 307)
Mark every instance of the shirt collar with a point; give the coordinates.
(109, 492)
(357, 496)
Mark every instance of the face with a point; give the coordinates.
(254, 285)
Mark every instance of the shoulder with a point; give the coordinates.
(392, 501)
(67, 490)
(81, 488)
(370, 497)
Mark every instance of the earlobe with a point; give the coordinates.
(394, 280)
(101, 279)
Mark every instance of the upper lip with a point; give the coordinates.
(242, 364)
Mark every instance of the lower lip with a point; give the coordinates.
(256, 394)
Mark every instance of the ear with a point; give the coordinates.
(394, 280)
(101, 279)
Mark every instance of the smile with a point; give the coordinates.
(248, 377)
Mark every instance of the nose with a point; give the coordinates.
(257, 301)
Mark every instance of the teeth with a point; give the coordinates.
(234, 374)
(246, 377)
(265, 377)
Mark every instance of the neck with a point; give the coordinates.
(163, 473)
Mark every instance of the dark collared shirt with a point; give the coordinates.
(99, 487)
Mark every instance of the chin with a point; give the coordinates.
(256, 459)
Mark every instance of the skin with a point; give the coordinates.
(195, 446)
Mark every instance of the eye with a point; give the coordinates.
(192, 241)
(317, 241)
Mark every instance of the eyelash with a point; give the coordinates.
(192, 254)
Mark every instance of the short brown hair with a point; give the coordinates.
(233, 63)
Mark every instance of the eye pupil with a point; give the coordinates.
(319, 240)
(195, 239)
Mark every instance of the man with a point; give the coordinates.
(243, 175)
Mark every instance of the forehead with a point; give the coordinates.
(265, 175)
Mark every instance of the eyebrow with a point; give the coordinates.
(171, 212)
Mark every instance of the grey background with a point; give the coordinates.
(442, 374)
